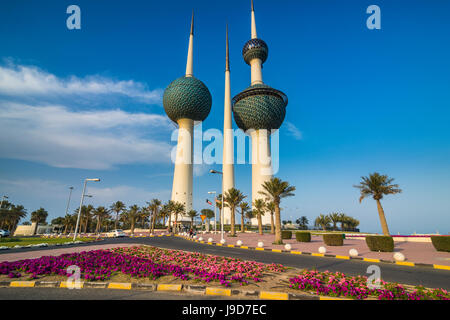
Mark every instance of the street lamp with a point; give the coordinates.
(221, 210)
(81, 204)
(68, 201)
(215, 205)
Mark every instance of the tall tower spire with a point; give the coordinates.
(228, 145)
(254, 34)
(190, 57)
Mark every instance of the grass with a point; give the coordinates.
(25, 241)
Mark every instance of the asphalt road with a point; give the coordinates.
(99, 294)
(427, 277)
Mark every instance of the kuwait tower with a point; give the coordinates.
(186, 100)
(258, 110)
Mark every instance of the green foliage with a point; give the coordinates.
(333, 239)
(286, 234)
(303, 236)
(380, 243)
(441, 243)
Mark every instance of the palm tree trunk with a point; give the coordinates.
(242, 222)
(233, 231)
(260, 224)
(117, 220)
(277, 223)
(132, 226)
(272, 225)
(384, 225)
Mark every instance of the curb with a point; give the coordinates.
(400, 263)
(193, 289)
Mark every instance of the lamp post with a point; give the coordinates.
(81, 204)
(215, 205)
(221, 210)
(68, 201)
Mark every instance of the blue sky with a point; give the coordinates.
(88, 103)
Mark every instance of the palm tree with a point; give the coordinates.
(177, 208)
(86, 215)
(11, 215)
(258, 210)
(164, 212)
(117, 207)
(302, 222)
(101, 213)
(38, 216)
(342, 219)
(192, 214)
(270, 207)
(209, 214)
(131, 215)
(322, 221)
(275, 189)
(249, 215)
(154, 207)
(232, 198)
(377, 186)
(244, 208)
(170, 208)
(335, 218)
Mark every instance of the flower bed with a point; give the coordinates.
(339, 285)
(142, 262)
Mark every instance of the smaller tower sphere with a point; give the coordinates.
(187, 97)
(255, 48)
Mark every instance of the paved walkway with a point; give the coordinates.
(417, 252)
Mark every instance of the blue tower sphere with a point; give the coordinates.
(187, 97)
(259, 107)
(255, 48)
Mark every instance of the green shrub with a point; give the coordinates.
(333, 239)
(441, 243)
(303, 236)
(286, 234)
(9, 240)
(380, 243)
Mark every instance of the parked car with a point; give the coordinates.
(116, 234)
(4, 233)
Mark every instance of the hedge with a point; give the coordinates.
(333, 239)
(380, 243)
(441, 243)
(286, 234)
(303, 236)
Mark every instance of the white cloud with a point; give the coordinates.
(59, 137)
(293, 131)
(23, 81)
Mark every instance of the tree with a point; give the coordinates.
(302, 222)
(244, 208)
(249, 215)
(38, 216)
(192, 214)
(275, 189)
(258, 210)
(101, 213)
(177, 208)
(154, 206)
(209, 215)
(334, 218)
(131, 215)
(10, 215)
(232, 198)
(117, 207)
(322, 221)
(165, 212)
(86, 215)
(377, 186)
(270, 207)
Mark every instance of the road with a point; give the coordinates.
(427, 277)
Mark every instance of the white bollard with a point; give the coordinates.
(239, 243)
(353, 253)
(288, 247)
(210, 239)
(200, 239)
(223, 241)
(398, 256)
(322, 250)
(260, 244)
